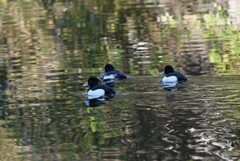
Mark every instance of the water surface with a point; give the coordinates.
(48, 49)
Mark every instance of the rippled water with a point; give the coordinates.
(48, 49)
(198, 122)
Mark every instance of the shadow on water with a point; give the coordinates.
(174, 88)
(94, 102)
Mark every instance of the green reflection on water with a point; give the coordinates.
(49, 48)
(88, 35)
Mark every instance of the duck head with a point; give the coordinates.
(168, 69)
(108, 67)
(92, 81)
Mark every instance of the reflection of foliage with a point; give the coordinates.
(94, 119)
(83, 35)
(222, 37)
(223, 40)
(167, 19)
(8, 147)
(71, 133)
(84, 25)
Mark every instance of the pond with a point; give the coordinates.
(49, 48)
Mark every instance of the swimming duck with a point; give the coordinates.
(111, 73)
(97, 89)
(172, 78)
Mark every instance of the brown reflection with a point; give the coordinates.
(193, 55)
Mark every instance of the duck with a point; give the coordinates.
(111, 73)
(97, 89)
(172, 77)
(169, 81)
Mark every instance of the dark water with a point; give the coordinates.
(49, 48)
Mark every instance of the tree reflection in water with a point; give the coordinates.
(49, 47)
